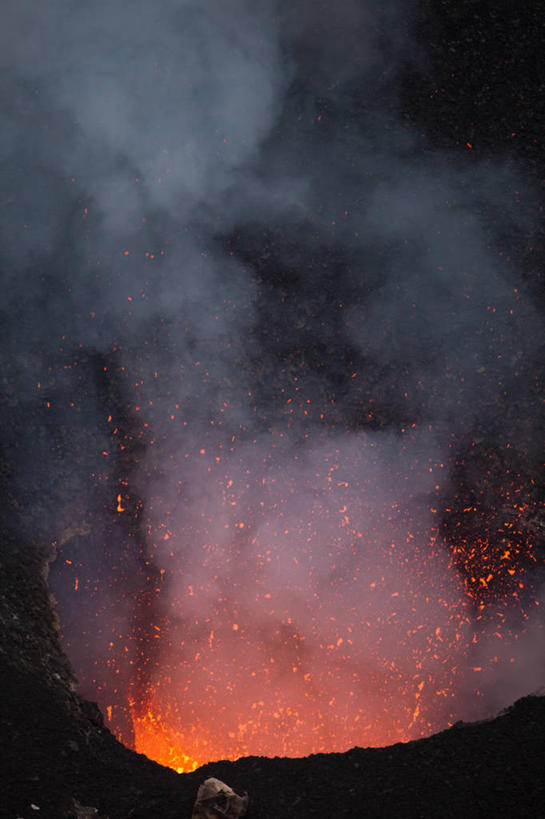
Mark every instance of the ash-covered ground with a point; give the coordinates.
(239, 250)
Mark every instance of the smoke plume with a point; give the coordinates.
(252, 317)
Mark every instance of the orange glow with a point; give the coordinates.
(288, 633)
(157, 742)
(259, 728)
(240, 692)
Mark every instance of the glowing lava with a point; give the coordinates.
(157, 741)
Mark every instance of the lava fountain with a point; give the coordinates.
(308, 603)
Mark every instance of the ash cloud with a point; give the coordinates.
(181, 181)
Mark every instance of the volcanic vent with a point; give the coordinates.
(299, 572)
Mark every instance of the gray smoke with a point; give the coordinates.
(137, 137)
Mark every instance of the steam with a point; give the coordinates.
(163, 163)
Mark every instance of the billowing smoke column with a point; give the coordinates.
(256, 325)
